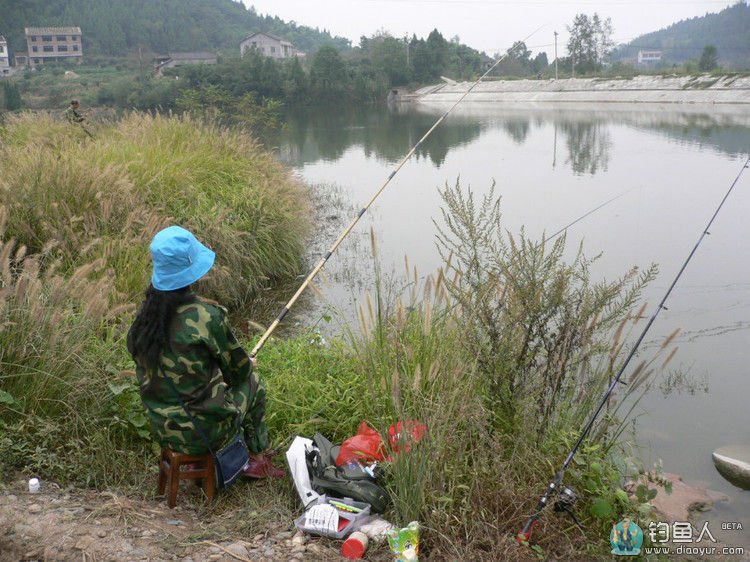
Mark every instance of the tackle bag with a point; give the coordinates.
(231, 461)
(349, 481)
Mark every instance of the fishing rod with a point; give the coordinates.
(525, 534)
(355, 220)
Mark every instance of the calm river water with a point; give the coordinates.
(667, 166)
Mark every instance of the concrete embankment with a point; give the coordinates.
(701, 89)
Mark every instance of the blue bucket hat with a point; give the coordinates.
(179, 259)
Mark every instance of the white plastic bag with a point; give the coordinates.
(296, 456)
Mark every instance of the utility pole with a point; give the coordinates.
(555, 55)
(554, 147)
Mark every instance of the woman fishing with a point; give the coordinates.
(196, 381)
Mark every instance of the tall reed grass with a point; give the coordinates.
(106, 197)
(59, 346)
(76, 218)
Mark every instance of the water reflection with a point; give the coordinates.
(582, 133)
(387, 135)
(517, 129)
(588, 146)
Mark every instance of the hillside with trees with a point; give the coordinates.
(115, 28)
(254, 85)
(727, 31)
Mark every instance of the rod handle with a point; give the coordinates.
(524, 535)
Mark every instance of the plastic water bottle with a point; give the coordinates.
(34, 485)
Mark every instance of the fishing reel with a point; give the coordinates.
(566, 500)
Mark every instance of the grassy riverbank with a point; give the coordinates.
(502, 353)
(76, 218)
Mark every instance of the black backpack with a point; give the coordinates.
(350, 481)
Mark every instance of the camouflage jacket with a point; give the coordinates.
(72, 115)
(212, 373)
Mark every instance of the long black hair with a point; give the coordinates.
(149, 334)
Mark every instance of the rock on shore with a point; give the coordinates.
(683, 500)
(733, 463)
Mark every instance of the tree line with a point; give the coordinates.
(257, 85)
(116, 29)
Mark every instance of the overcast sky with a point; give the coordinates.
(486, 25)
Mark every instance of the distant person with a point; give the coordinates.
(187, 358)
(73, 115)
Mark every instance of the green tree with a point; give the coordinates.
(590, 42)
(463, 62)
(328, 75)
(516, 61)
(520, 53)
(296, 84)
(709, 59)
(12, 96)
(389, 57)
(429, 56)
(540, 62)
(438, 49)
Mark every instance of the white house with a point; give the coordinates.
(4, 57)
(268, 45)
(649, 57)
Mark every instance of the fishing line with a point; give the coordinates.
(355, 220)
(525, 534)
(564, 229)
(592, 211)
(546, 239)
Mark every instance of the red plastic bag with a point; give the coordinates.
(414, 432)
(366, 447)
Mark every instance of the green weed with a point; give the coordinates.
(503, 354)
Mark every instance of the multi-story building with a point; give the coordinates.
(50, 44)
(649, 57)
(268, 45)
(4, 57)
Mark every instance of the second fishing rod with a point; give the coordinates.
(284, 311)
(524, 534)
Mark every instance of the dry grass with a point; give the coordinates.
(76, 218)
(106, 197)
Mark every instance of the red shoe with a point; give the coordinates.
(260, 466)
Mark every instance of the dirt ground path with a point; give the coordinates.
(87, 526)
